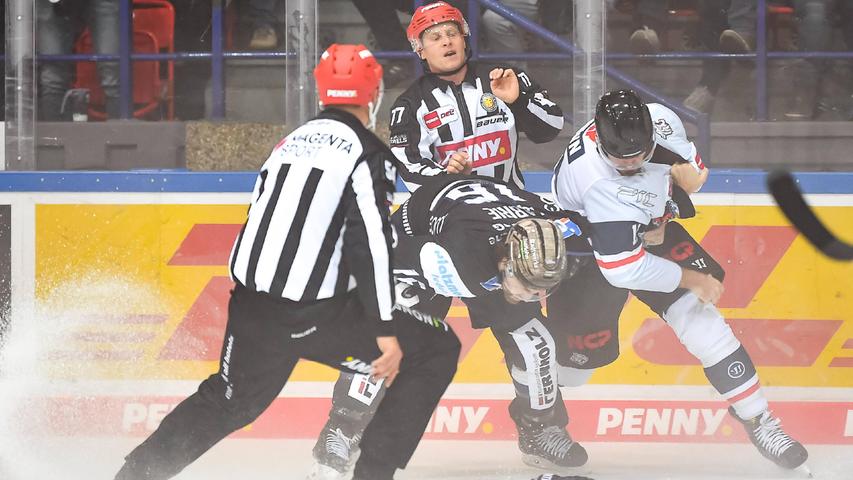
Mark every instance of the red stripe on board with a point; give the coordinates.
(781, 343)
(207, 244)
(199, 336)
(844, 362)
(748, 254)
(624, 261)
(749, 391)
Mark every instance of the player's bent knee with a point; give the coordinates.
(701, 329)
(573, 377)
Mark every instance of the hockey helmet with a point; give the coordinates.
(428, 15)
(536, 254)
(349, 75)
(624, 127)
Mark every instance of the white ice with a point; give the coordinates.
(100, 458)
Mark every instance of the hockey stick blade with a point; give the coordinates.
(784, 189)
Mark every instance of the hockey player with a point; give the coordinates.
(312, 273)
(622, 171)
(461, 116)
(452, 234)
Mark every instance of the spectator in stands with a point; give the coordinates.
(815, 27)
(647, 21)
(261, 16)
(726, 26)
(504, 36)
(193, 34)
(381, 17)
(58, 22)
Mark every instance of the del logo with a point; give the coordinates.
(483, 150)
(659, 421)
(440, 116)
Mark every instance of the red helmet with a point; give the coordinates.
(433, 14)
(347, 75)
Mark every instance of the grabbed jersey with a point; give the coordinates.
(620, 208)
(447, 232)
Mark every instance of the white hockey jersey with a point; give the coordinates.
(621, 208)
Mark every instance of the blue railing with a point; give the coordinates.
(218, 55)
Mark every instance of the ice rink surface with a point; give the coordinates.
(244, 459)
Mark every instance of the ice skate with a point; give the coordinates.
(765, 432)
(335, 452)
(546, 446)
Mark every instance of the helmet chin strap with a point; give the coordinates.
(373, 107)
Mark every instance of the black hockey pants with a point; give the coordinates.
(264, 339)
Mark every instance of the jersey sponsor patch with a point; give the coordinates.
(399, 140)
(483, 150)
(441, 273)
(491, 284)
(568, 228)
(440, 116)
(364, 389)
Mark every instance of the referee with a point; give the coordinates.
(312, 268)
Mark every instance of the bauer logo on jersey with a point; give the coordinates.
(483, 150)
(440, 116)
(489, 102)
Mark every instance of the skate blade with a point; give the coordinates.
(804, 470)
(325, 472)
(539, 462)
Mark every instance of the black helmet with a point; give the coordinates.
(623, 124)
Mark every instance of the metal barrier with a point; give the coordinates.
(218, 55)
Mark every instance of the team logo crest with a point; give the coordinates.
(489, 102)
(663, 128)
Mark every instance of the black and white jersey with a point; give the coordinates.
(448, 230)
(434, 118)
(318, 223)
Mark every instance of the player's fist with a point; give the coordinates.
(504, 84)
(707, 288)
(459, 162)
(655, 236)
(685, 176)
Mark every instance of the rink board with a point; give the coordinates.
(129, 282)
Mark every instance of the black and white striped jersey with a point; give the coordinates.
(434, 118)
(318, 223)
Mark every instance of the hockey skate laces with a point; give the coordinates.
(554, 441)
(769, 433)
(338, 444)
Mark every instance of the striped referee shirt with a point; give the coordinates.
(434, 118)
(318, 222)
